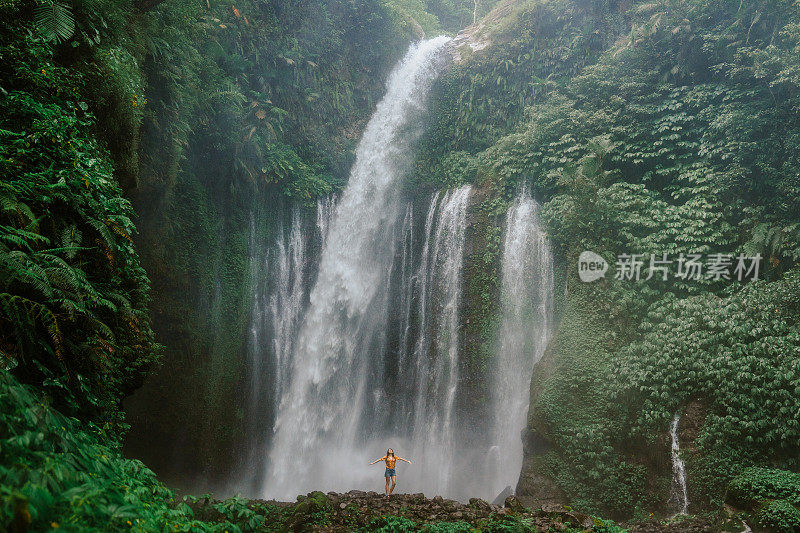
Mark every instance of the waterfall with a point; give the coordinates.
(278, 304)
(285, 301)
(679, 496)
(527, 309)
(364, 346)
(337, 361)
(432, 372)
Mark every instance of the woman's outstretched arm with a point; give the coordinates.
(406, 460)
(376, 460)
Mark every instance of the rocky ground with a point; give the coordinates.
(371, 511)
(366, 506)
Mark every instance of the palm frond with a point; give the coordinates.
(54, 20)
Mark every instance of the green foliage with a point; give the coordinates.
(237, 510)
(752, 343)
(313, 509)
(72, 290)
(57, 472)
(606, 526)
(283, 166)
(413, 16)
(535, 48)
(585, 459)
(54, 20)
(779, 516)
(448, 527)
(392, 524)
(676, 137)
(758, 483)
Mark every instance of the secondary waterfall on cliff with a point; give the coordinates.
(431, 373)
(320, 425)
(527, 315)
(280, 272)
(679, 496)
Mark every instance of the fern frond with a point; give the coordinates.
(102, 229)
(71, 238)
(10, 203)
(54, 20)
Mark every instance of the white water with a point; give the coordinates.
(527, 309)
(678, 497)
(364, 344)
(432, 371)
(285, 302)
(280, 273)
(323, 421)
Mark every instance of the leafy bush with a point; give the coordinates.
(392, 524)
(72, 290)
(448, 527)
(57, 472)
(606, 526)
(779, 516)
(758, 483)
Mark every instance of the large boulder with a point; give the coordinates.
(480, 505)
(513, 504)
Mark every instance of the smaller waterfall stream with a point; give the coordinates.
(527, 309)
(285, 301)
(280, 273)
(679, 496)
(433, 371)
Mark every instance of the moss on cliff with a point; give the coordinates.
(666, 140)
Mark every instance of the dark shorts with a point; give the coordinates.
(389, 472)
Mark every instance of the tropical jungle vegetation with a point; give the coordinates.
(136, 138)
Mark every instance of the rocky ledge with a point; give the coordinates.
(362, 508)
(371, 511)
(363, 512)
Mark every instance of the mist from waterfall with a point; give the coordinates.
(527, 322)
(320, 427)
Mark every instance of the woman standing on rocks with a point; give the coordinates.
(390, 458)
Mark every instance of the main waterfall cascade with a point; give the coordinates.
(355, 338)
(320, 428)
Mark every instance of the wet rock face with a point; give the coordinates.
(501, 498)
(536, 489)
